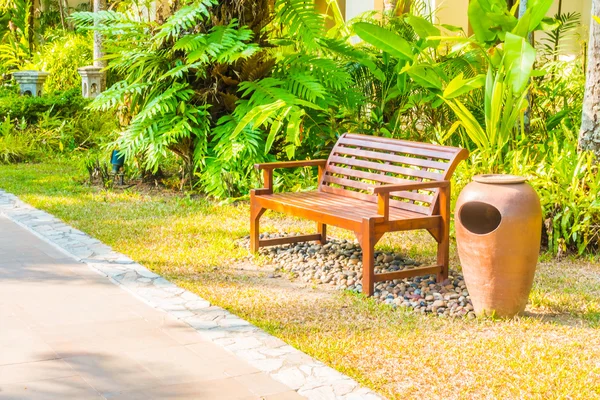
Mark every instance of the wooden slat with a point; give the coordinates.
(357, 173)
(347, 182)
(376, 155)
(290, 164)
(417, 173)
(341, 211)
(373, 199)
(397, 148)
(416, 196)
(361, 196)
(421, 145)
(288, 239)
(349, 193)
(407, 273)
(410, 207)
(407, 224)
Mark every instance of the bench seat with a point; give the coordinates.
(332, 209)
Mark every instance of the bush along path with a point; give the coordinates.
(309, 378)
(338, 264)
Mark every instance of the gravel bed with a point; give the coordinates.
(338, 264)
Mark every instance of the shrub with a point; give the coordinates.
(65, 104)
(61, 57)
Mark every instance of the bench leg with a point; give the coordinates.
(443, 258)
(322, 230)
(443, 253)
(367, 243)
(256, 212)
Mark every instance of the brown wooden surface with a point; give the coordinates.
(370, 185)
(290, 164)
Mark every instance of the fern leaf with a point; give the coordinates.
(301, 19)
(305, 87)
(184, 19)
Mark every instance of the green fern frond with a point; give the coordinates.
(305, 86)
(116, 94)
(87, 19)
(165, 102)
(256, 67)
(265, 91)
(224, 43)
(184, 19)
(301, 20)
(326, 70)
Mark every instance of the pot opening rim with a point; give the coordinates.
(499, 179)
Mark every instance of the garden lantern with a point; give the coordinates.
(91, 79)
(117, 161)
(31, 83)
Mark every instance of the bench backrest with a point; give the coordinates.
(359, 162)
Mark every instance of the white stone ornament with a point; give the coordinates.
(31, 83)
(91, 79)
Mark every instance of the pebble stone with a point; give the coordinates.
(338, 264)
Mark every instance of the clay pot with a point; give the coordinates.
(498, 221)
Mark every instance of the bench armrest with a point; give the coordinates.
(383, 194)
(409, 186)
(290, 164)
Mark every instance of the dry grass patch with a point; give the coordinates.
(552, 353)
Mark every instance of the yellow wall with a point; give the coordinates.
(452, 12)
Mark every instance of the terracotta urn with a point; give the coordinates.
(498, 221)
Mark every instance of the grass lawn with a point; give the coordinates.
(554, 352)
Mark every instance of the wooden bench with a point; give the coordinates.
(369, 185)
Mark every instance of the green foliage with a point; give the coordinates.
(61, 57)
(557, 99)
(21, 141)
(65, 104)
(504, 106)
(568, 183)
(557, 40)
(15, 35)
(491, 19)
(224, 86)
(179, 79)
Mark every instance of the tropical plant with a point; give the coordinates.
(565, 34)
(568, 183)
(504, 106)
(492, 19)
(16, 39)
(179, 77)
(61, 57)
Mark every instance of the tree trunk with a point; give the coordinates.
(99, 5)
(31, 26)
(163, 11)
(589, 134)
(62, 15)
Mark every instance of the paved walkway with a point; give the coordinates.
(69, 333)
(100, 326)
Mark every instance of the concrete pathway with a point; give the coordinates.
(68, 330)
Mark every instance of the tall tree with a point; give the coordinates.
(589, 134)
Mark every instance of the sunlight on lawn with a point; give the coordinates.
(553, 352)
